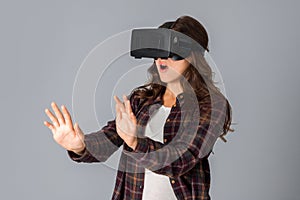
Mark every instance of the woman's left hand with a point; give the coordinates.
(126, 122)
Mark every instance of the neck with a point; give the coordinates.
(171, 92)
(174, 89)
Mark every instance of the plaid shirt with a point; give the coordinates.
(183, 156)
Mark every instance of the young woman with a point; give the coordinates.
(165, 153)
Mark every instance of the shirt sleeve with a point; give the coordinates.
(85, 157)
(100, 145)
(191, 143)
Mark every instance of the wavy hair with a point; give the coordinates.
(198, 75)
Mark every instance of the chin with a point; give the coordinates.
(167, 81)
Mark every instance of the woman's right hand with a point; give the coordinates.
(64, 133)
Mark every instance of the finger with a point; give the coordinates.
(79, 133)
(118, 112)
(132, 117)
(49, 125)
(58, 113)
(127, 105)
(52, 117)
(117, 107)
(78, 130)
(67, 116)
(120, 104)
(118, 115)
(129, 109)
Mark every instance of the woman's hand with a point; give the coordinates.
(64, 133)
(126, 122)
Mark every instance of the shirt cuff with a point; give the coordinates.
(142, 146)
(85, 157)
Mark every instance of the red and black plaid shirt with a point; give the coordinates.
(183, 157)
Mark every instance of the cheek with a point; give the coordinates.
(156, 64)
(181, 68)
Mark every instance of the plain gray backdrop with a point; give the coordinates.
(255, 45)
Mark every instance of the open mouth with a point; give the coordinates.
(163, 67)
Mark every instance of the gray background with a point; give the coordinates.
(254, 43)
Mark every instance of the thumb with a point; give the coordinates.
(77, 129)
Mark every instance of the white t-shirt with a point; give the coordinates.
(157, 186)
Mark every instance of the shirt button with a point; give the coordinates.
(165, 140)
(173, 181)
(174, 105)
(181, 96)
(168, 120)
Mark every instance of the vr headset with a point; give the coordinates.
(162, 43)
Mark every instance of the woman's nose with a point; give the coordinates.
(161, 61)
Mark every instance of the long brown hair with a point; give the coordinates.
(198, 75)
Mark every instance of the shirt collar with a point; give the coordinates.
(179, 98)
